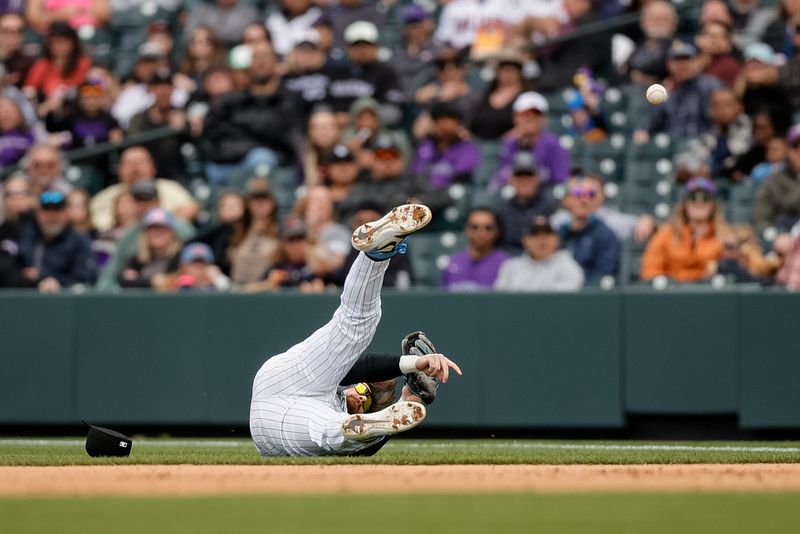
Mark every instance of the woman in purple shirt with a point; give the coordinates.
(15, 136)
(476, 268)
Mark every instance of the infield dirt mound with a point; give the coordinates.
(184, 480)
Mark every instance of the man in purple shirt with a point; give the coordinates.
(445, 157)
(528, 134)
(476, 268)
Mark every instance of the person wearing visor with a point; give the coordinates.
(688, 247)
(53, 255)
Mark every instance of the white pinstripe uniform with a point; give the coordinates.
(295, 409)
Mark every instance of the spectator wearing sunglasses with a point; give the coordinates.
(542, 267)
(447, 156)
(476, 268)
(53, 255)
(777, 202)
(688, 247)
(593, 244)
(530, 199)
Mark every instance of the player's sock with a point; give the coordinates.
(401, 248)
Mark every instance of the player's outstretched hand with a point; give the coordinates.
(437, 366)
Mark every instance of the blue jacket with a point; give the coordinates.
(595, 248)
(68, 258)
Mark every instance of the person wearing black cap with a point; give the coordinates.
(52, 254)
(448, 156)
(542, 267)
(340, 174)
(529, 200)
(685, 114)
(162, 113)
(63, 65)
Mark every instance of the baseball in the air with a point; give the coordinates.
(656, 94)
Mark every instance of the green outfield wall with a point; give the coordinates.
(570, 361)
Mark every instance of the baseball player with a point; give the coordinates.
(298, 407)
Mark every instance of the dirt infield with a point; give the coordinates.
(184, 480)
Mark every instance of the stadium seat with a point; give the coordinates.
(429, 255)
(489, 163)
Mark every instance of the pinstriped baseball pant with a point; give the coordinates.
(295, 410)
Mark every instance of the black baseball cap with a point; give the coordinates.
(161, 77)
(339, 154)
(524, 163)
(106, 442)
(541, 225)
(441, 110)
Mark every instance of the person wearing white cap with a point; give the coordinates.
(529, 134)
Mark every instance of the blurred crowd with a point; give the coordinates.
(233, 145)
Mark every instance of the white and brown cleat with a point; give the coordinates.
(398, 417)
(385, 234)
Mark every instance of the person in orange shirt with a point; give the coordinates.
(63, 67)
(688, 246)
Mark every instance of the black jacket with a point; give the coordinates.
(68, 258)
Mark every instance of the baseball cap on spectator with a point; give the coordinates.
(258, 187)
(158, 217)
(524, 163)
(508, 56)
(152, 51)
(793, 135)
(760, 52)
(699, 183)
(386, 148)
(541, 225)
(530, 101)
(162, 77)
(681, 50)
(91, 88)
(144, 190)
(441, 110)
(339, 154)
(413, 14)
(240, 57)
(52, 200)
(306, 38)
(293, 228)
(197, 252)
(60, 28)
(361, 31)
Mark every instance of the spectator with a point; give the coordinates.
(246, 129)
(345, 12)
(389, 184)
(12, 55)
(688, 246)
(229, 18)
(750, 20)
(778, 33)
(777, 201)
(542, 267)
(146, 197)
(757, 84)
(685, 114)
(77, 13)
(293, 18)
(742, 258)
(44, 170)
(16, 137)
(449, 84)
(157, 252)
(204, 50)
(125, 217)
(492, 116)
(197, 272)
(78, 211)
(789, 273)
(330, 241)
(340, 173)
(399, 274)
(18, 203)
(364, 127)
(291, 268)
(476, 268)
(230, 211)
(160, 31)
(716, 52)
(10, 91)
(774, 159)
(323, 135)
(529, 135)
(135, 165)
(448, 156)
(309, 75)
(62, 67)
(368, 76)
(647, 63)
(217, 82)
(789, 72)
(588, 119)
(256, 34)
(529, 200)
(477, 24)
(54, 256)
(560, 63)
(254, 241)
(593, 245)
(766, 124)
(166, 152)
(412, 61)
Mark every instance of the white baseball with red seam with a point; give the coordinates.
(656, 94)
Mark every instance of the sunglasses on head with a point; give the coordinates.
(385, 154)
(699, 196)
(583, 192)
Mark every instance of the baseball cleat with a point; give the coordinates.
(397, 418)
(385, 237)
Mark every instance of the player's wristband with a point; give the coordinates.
(408, 363)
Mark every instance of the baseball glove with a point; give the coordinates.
(420, 384)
